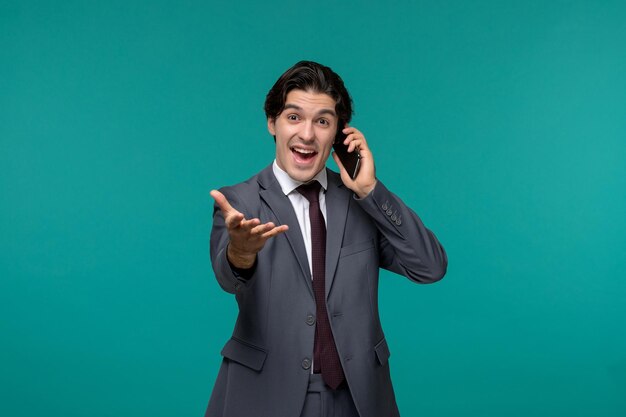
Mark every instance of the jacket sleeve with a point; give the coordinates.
(230, 279)
(407, 247)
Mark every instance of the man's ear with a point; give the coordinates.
(271, 126)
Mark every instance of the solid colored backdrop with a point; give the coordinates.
(502, 123)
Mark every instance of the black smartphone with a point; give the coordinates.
(350, 160)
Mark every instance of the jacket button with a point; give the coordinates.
(385, 206)
(394, 217)
(310, 320)
(399, 221)
(306, 363)
(389, 212)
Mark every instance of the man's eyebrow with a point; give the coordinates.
(319, 113)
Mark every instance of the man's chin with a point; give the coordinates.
(304, 174)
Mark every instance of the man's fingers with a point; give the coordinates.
(262, 228)
(222, 202)
(249, 224)
(236, 220)
(275, 231)
(354, 144)
(351, 134)
(268, 230)
(232, 217)
(356, 141)
(233, 220)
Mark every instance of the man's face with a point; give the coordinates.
(305, 132)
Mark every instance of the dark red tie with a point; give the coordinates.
(325, 356)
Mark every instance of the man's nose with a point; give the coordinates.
(307, 132)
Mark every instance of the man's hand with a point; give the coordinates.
(365, 180)
(247, 237)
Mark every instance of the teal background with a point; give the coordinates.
(503, 124)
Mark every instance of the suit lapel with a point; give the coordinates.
(280, 205)
(337, 201)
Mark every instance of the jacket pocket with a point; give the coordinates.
(244, 353)
(382, 352)
(356, 248)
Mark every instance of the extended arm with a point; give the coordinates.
(235, 242)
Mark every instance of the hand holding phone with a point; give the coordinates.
(359, 173)
(351, 160)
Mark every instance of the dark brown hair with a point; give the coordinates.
(308, 75)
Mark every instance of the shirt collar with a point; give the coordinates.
(288, 184)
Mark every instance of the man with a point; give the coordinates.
(300, 246)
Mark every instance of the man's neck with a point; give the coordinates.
(288, 184)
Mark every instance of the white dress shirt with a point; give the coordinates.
(301, 204)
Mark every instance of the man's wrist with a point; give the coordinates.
(240, 259)
(364, 192)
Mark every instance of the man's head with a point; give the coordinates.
(305, 110)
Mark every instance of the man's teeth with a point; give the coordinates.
(304, 151)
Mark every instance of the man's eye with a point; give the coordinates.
(324, 122)
(292, 117)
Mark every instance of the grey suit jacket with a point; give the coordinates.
(265, 369)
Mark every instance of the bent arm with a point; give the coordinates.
(407, 247)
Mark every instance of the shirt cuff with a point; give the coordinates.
(243, 273)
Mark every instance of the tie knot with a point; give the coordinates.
(310, 191)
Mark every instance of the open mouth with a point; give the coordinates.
(303, 155)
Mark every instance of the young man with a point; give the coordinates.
(300, 246)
